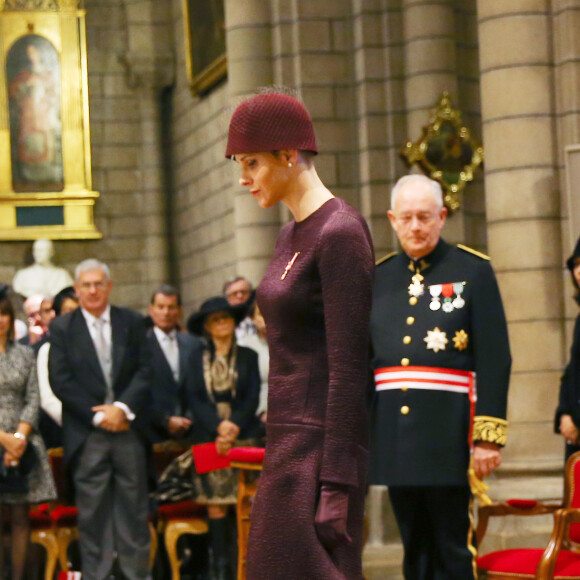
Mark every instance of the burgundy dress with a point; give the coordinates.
(317, 319)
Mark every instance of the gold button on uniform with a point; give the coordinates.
(406, 340)
(404, 389)
(404, 410)
(405, 362)
(413, 300)
(410, 320)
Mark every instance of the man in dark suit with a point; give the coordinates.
(170, 351)
(99, 368)
(441, 361)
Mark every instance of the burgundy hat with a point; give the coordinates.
(270, 122)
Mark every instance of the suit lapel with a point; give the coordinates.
(161, 358)
(183, 355)
(82, 337)
(119, 332)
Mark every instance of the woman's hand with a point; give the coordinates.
(568, 429)
(13, 445)
(228, 430)
(10, 460)
(223, 445)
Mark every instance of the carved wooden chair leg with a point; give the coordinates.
(154, 546)
(173, 531)
(47, 539)
(64, 537)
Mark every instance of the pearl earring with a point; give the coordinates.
(289, 164)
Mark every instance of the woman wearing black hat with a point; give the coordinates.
(315, 298)
(567, 421)
(223, 390)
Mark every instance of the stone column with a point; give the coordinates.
(150, 68)
(249, 50)
(430, 69)
(523, 217)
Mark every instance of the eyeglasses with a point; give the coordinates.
(99, 285)
(424, 218)
(238, 293)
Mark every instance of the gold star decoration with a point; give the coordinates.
(436, 339)
(460, 340)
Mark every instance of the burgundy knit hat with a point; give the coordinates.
(270, 122)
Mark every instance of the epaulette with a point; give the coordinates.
(385, 258)
(474, 252)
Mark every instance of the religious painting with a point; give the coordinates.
(205, 43)
(446, 151)
(33, 78)
(45, 154)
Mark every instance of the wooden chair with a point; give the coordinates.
(42, 533)
(561, 557)
(178, 518)
(247, 460)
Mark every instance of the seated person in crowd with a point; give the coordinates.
(259, 343)
(170, 352)
(238, 291)
(50, 421)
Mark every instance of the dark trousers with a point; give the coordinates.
(436, 531)
(112, 498)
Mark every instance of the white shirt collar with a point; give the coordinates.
(90, 318)
(162, 335)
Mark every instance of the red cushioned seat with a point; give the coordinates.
(522, 504)
(39, 520)
(524, 562)
(180, 510)
(64, 515)
(247, 454)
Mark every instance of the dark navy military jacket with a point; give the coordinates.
(452, 318)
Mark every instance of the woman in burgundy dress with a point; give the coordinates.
(315, 297)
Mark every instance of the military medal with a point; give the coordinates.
(435, 292)
(416, 288)
(289, 265)
(458, 289)
(447, 292)
(436, 339)
(460, 340)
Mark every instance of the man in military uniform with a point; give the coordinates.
(441, 360)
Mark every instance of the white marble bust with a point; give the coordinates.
(43, 277)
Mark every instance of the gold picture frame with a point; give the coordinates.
(446, 151)
(205, 43)
(45, 155)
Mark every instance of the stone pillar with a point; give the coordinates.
(523, 217)
(150, 68)
(249, 49)
(430, 69)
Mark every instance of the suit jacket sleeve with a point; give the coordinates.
(346, 267)
(492, 358)
(60, 373)
(137, 392)
(248, 392)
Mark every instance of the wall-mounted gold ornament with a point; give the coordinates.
(45, 154)
(446, 151)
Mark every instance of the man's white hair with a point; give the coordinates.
(435, 187)
(92, 264)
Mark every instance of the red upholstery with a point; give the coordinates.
(64, 515)
(574, 532)
(524, 562)
(523, 504)
(180, 510)
(39, 520)
(247, 454)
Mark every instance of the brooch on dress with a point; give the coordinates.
(289, 265)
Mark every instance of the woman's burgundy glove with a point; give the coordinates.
(332, 515)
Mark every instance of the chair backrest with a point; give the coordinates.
(572, 491)
(56, 460)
